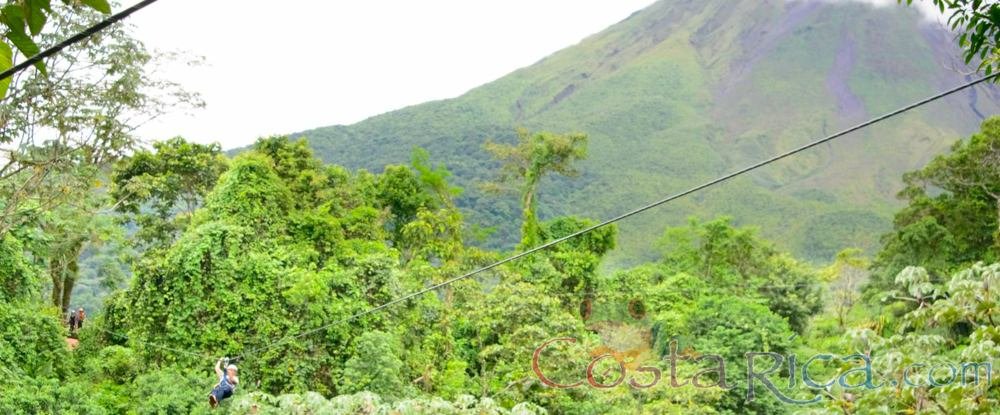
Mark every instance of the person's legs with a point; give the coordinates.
(221, 392)
(227, 393)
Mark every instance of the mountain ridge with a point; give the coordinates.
(683, 91)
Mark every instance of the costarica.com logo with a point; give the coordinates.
(761, 368)
(625, 356)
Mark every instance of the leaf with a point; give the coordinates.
(13, 17)
(27, 47)
(99, 5)
(36, 16)
(6, 61)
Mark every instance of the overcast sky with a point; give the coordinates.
(311, 63)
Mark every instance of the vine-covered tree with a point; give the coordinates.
(523, 165)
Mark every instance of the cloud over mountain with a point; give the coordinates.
(925, 7)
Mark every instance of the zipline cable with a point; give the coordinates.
(634, 212)
(88, 32)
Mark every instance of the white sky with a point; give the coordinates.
(312, 63)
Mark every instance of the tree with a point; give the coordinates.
(953, 212)
(526, 163)
(978, 23)
(69, 230)
(81, 112)
(731, 326)
(846, 275)
(941, 325)
(18, 280)
(737, 260)
(59, 233)
(401, 193)
(434, 177)
(575, 261)
(505, 327)
(26, 19)
(971, 168)
(376, 367)
(159, 190)
(260, 264)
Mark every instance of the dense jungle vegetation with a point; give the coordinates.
(183, 254)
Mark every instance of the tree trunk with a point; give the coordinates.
(529, 227)
(63, 268)
(56, 271)
(69, 281)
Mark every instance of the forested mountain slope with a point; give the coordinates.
(685, 90)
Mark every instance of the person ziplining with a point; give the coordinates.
(227, 382)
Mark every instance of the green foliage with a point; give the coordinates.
(368, 403)
(159, 190)
(524, 164)
(259, 265)
(169, 391)
(376, 367)
(23, 20)
(576, 261)
(732, 327)
(669, 102)
(977, 22)
(846, 275)
(953, 213)
(88, 108)
(6, 61)
(434, 177)
(18, 281)
(504, 330)
(32, 341)
(69, 232)
(400, 191)
(294, 163)
(249, 194)
(943, 323)
(282, 250)
(253, 250)
(269, 256)
(738, 261)
(25, 395)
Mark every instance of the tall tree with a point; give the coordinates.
(525, 164)
(83, 111)
(953, 212)
(159, 190)
(846, 275)
(67, 230)
(434, 177)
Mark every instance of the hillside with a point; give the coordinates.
(687, 89)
